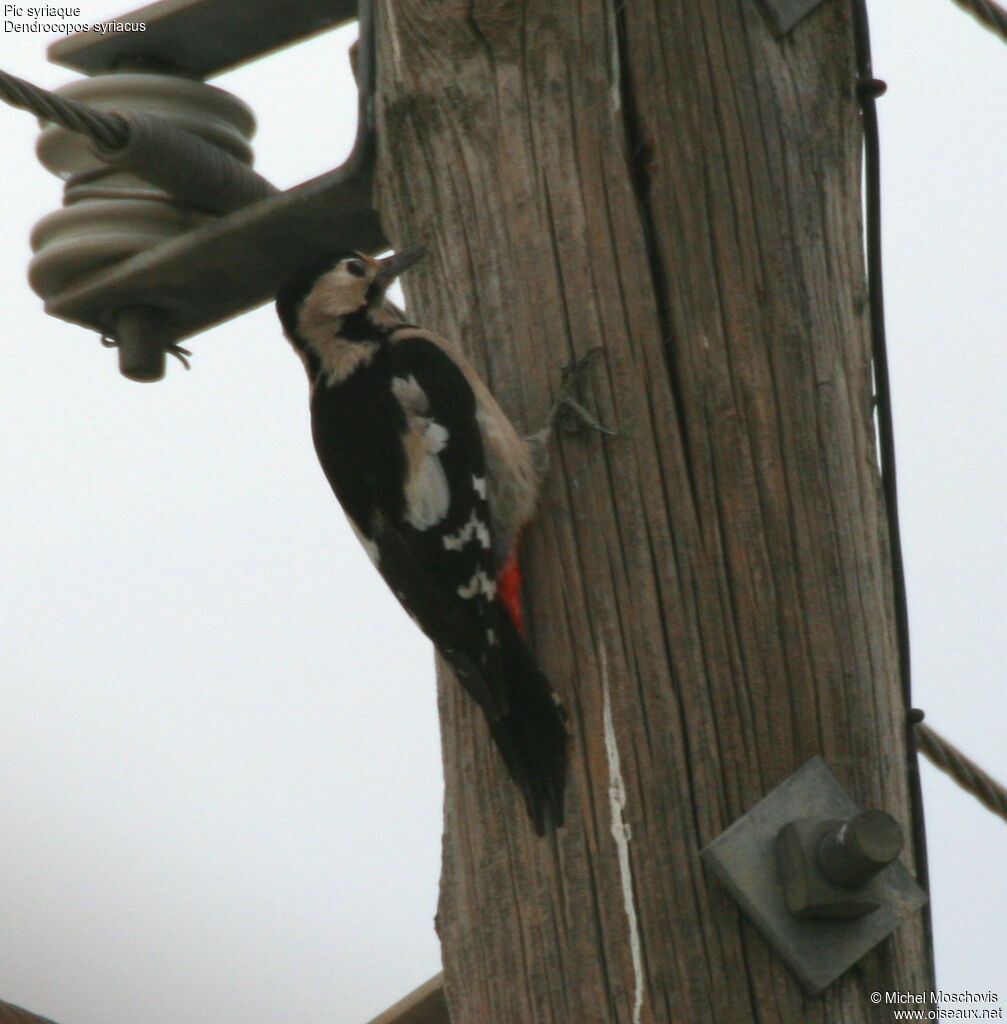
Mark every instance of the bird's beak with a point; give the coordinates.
(391, 266)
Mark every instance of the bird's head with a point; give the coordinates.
(319, 299)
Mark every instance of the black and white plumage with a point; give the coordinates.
(438, 486)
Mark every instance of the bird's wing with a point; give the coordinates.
(426, 520)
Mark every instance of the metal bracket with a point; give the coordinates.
(744, 857)
(200, 37)
(238, 261)
(785, 14)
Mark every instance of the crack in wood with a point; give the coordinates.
(639, 155)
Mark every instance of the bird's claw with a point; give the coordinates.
(577, 418)
(567, 412)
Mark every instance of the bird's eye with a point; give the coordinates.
(356, 268)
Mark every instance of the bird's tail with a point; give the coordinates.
(532, 736)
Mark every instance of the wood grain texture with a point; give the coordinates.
(669, 181)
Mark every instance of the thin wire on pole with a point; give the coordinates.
(868, 90)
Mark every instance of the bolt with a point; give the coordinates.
(143, 335)
(858, 848)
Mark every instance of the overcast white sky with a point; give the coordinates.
(219, 767)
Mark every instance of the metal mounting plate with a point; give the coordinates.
(785, 14)
(232, 264)
(744, 858)
(202, 37)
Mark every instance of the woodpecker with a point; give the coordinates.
(438, 486)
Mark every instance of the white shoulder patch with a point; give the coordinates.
(426, 487)
(411, 396)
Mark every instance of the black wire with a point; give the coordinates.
(868, 89)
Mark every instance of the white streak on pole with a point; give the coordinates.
(622, 833)
(393, 31)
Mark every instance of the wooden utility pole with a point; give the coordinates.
(710, 591)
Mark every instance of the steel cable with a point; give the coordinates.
(987, 13)
(109, 130)
(963, 770)
(192, 170)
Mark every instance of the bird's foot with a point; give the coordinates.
(567, 412)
